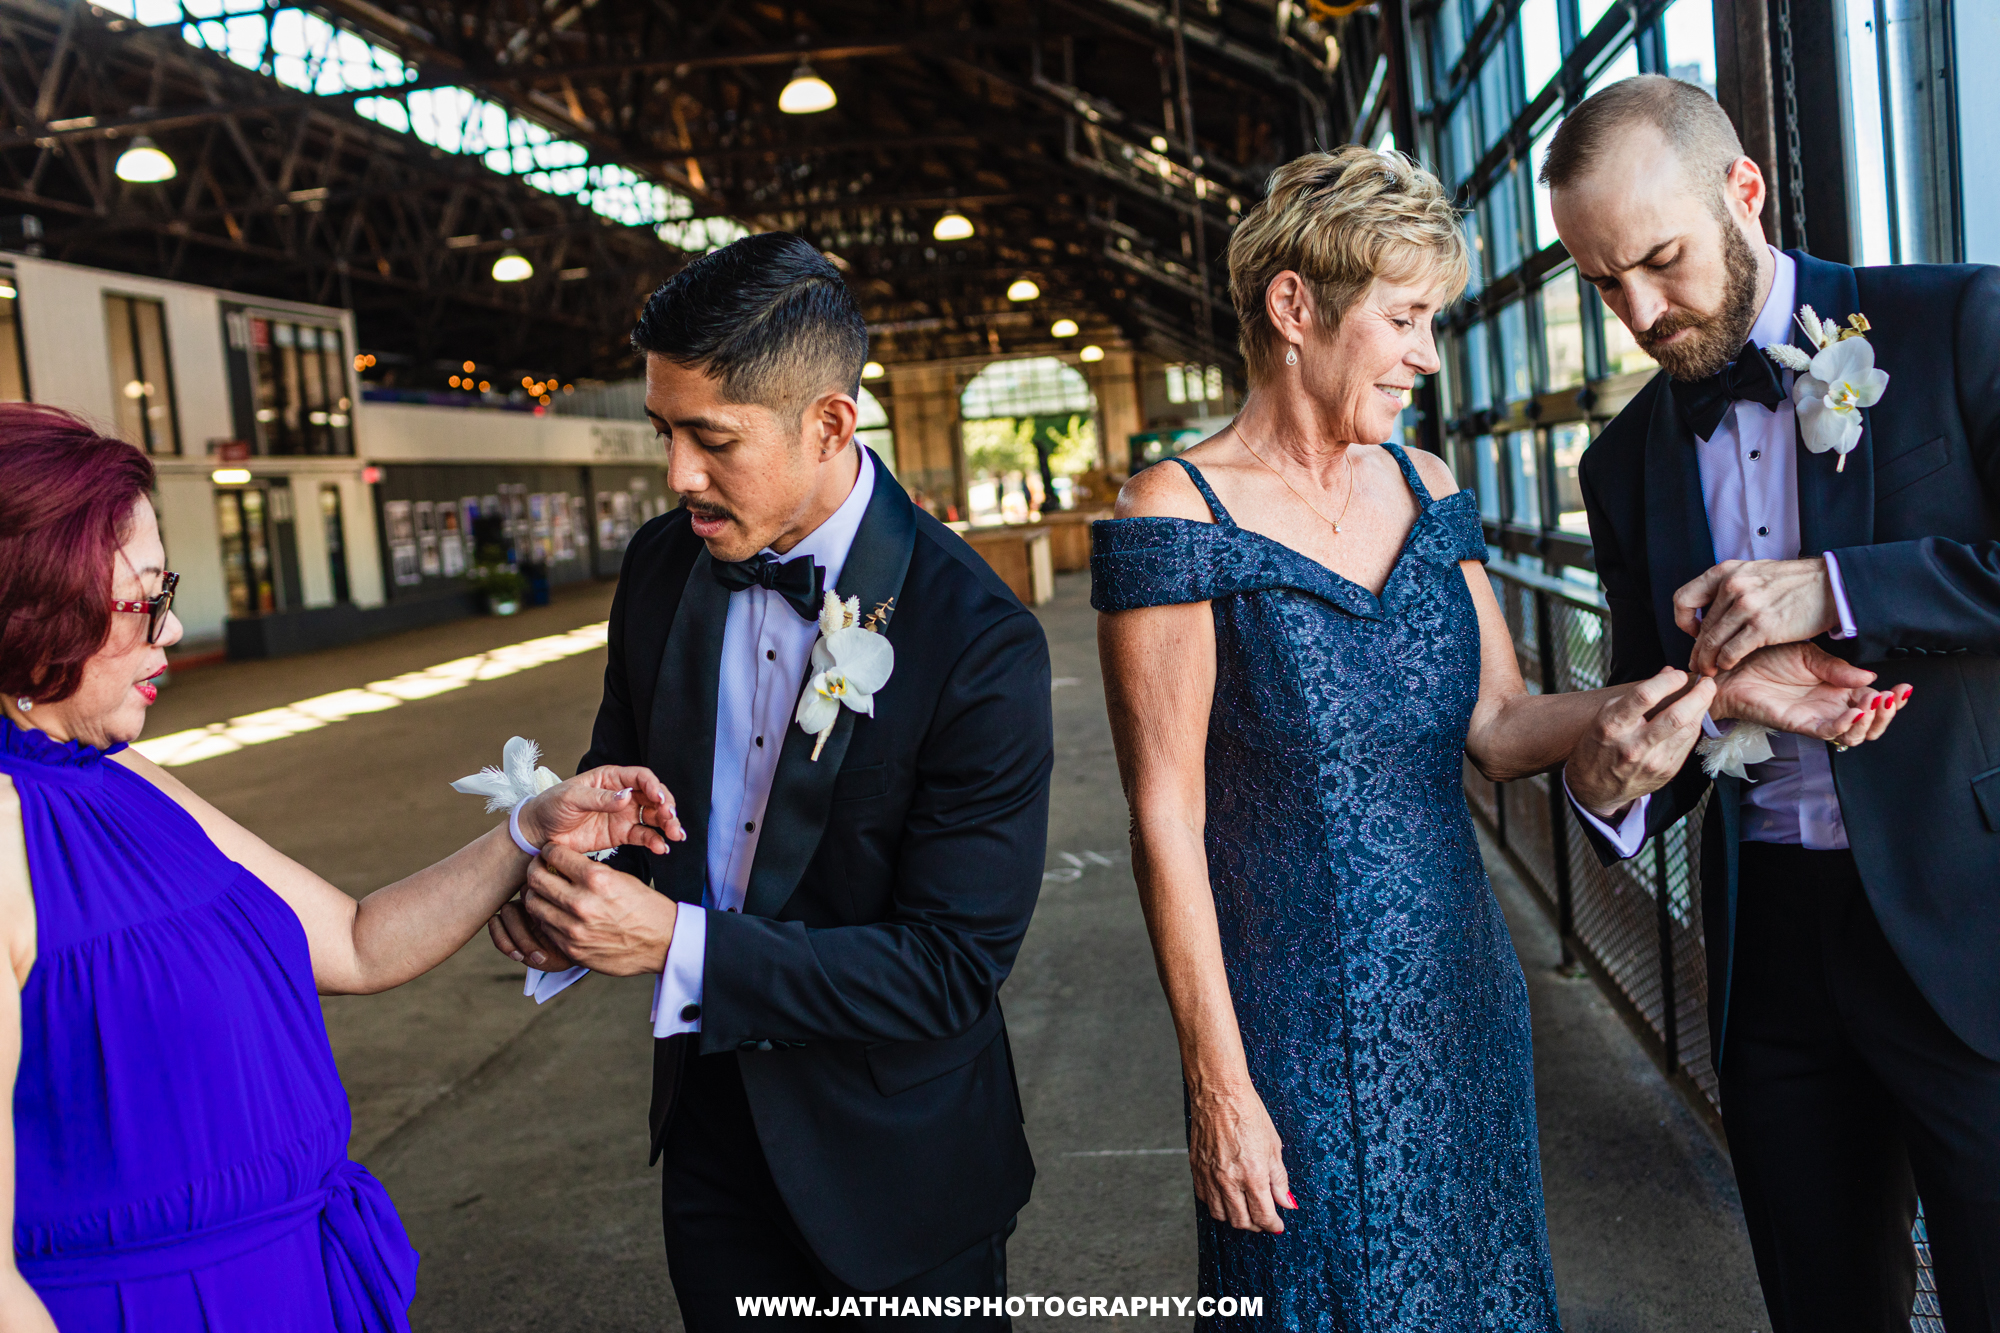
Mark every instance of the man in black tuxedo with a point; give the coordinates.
(1851, 898)
(833, 1092)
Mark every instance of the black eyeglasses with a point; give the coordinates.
(154, 607)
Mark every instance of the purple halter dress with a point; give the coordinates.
(180, 1129)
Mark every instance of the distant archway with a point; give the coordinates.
(1028, 426)
(1031, 387)
(872, 429)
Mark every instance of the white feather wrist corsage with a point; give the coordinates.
(520, 777)
(517, 777)
(1732, 752)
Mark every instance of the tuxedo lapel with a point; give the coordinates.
(1679, 545)
(1836, 507)
(681, 745)
(802, 788)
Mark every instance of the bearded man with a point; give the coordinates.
(1851, 899)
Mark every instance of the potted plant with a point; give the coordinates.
(502, 588)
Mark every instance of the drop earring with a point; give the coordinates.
(25, 704)
(1291, 354)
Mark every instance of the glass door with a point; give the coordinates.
(336, 539)
(244, 523)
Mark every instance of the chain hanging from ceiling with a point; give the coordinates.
(1795, 158)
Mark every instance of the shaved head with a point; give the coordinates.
(1694, 125)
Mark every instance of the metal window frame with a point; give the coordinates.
(132, 302)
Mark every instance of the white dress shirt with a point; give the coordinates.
(1750, 488)
(765, 647)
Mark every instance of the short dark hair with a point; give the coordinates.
(767, 316)
(1692, 121)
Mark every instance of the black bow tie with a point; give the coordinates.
(802, 582)
(1751, 378)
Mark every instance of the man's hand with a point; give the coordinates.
(575, 911)
(1745, 605)
(1637, 742)
(606, 807)
(1804, 689)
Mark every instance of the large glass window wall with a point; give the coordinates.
(299, 387)
(1535, 363)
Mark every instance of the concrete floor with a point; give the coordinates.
(512, 1138)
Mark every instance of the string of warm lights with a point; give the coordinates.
(951, 226)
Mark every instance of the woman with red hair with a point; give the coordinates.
(179, 1133)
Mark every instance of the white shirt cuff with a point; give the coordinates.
(1846, 629)
(677, 995)
(1629, 836)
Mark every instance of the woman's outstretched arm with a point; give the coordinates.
(1631, 739)
(1515, 733)
(1625, 740)
(1159, 680)
(406, 928)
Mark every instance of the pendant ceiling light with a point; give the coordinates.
(806, 93)
(1023, 289)
(1091, 353)
(144, 164)
(512, 266)
(953, 226)
(1063, 328)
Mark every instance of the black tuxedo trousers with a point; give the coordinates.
(856, 994)
(732, 1242)
(1828, 972)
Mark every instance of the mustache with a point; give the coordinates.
(711, 512)
(1667, 325)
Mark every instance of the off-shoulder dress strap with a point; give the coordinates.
(1410, 473)
(1222, 517)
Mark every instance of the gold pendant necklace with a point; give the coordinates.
(1333, 523)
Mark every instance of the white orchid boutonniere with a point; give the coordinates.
(1834, 383)
(852, 660)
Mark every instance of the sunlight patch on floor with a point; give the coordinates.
(271, 724)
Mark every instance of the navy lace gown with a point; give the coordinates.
(1382, 1005)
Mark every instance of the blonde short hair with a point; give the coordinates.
(1341, 220)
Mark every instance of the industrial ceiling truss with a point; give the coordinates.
(383, 155)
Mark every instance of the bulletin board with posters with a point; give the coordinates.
(574, 521)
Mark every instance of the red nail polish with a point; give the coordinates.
(1290, 1202)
